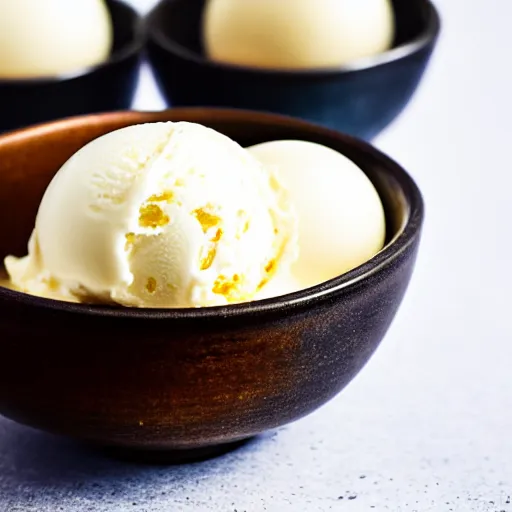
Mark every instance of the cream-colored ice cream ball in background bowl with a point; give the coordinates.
(296, 34)
(42, 38)
(64, 58)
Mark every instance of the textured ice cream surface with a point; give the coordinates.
(159, 215)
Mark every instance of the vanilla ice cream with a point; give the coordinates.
(159, 215)
(340, 215)
(41, 38)
(296, 34)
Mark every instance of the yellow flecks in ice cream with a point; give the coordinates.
(227, 286)
(166, 196)
(206, 218)
(210, 251)
(207, 260)
(151, 285)
(152, 216)
(130, 240)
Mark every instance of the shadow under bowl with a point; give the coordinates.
(184, 379)
(109, 86)
(360, 99)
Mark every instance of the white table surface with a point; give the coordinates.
(426, 426)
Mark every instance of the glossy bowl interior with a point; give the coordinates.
(171, 379)
(360, 99)
(108, 86)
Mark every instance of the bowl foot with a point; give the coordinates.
(171, 457)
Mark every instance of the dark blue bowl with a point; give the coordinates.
(360, 99)
(106, 87)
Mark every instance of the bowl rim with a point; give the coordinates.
(344, 283)
(133, 47)
(411, 47)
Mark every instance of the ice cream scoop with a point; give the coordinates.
(296, 34)
(159, 215)
(51, 37)
(340, 215)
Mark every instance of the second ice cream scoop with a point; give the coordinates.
(341, 222)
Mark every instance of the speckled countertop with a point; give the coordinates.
(427, 424)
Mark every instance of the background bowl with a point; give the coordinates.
(192, 378)
(105, 87)
(360, 99)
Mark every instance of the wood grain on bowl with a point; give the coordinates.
(4, 278)
(191, 378)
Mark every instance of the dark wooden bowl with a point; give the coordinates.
(105, 87)
(360, 99)
(187, 379)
